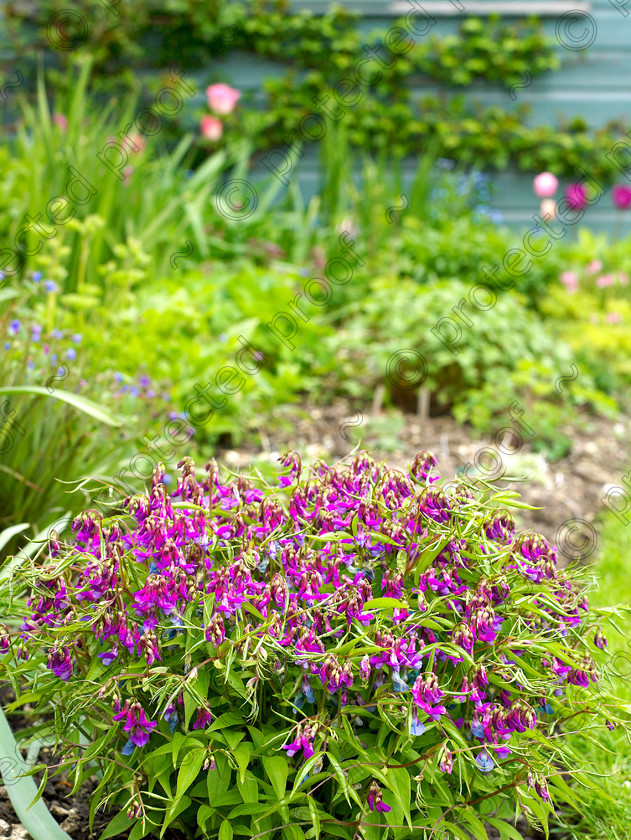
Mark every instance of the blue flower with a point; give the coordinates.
(77, 338)
(128, 748)
(118, 377)
(14, 326)
(50, 286)
(53, 357)
(37, 276)
(60, 371)
(71, 354)
(484, 761)
(416, 727)
(7, 345)
(56, 333)
(477, 729)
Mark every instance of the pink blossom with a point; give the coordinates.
(222, 98)
(621, 196)
(212, 128)
(605, 280)
(576, 195)
(594, 267)
(545, 184)
(614, 318)
(134, 142)
(61, 121)
(569, 280)
(623, 278)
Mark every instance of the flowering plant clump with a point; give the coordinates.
(357, 652)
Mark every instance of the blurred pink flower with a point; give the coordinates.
(135, 142)
(569, 280)
(61, 121)
(594, 267)
(621, 196)
(605, 280)
(623, 278)
(576, 195)
(212, 128)
(222, 98)
(614, 317)
(545, 184)
(127, 172)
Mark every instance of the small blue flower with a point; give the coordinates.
(144, 381)
(416, 727)
(128, 748)
(477, 729)
(53, 357)
(56, 333)
(60, 371)
(484, 761)
(35, 336)
(71, 354)
(30, 365)
(118, 377)
(7, 345)
(37, 276)
(77, 338)
(134, 391)
(547, 709)
(50, 286)
(14, 326)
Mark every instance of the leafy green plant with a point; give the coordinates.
(357, 651)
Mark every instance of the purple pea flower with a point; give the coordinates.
(136, 722)
(50, 286)
(15, 326)
(71, 354)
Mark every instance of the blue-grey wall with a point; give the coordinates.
(593, 82)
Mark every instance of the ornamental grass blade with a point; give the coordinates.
(36, 818)
(82, 403)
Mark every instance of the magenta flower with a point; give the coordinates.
(374, 799)
(576, 195)
(621, 196)
(204, 718)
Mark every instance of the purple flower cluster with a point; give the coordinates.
(433, 581)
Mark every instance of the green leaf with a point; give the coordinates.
(315, 816)
(189, 770)
(75, 400)
(225, 831)
(242, 757)
(277, 770)
(385, 603)
(505, 829)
